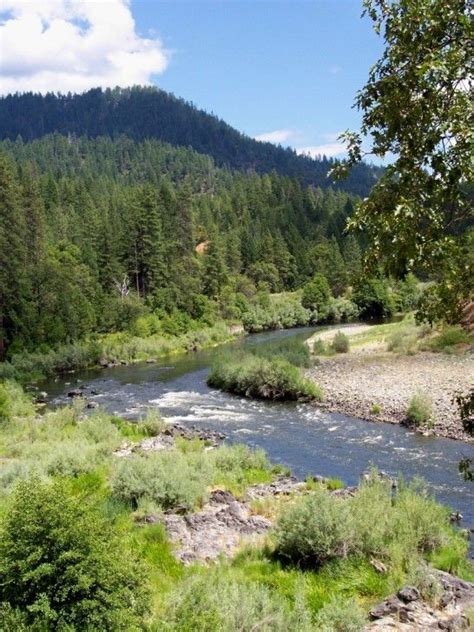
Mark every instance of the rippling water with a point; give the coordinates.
(307, 439)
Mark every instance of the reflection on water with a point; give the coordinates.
(307, 439)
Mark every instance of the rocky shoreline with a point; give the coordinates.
(226, 523)
(378, 386)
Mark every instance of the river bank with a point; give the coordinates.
(218, 528)
(112, 350)
(375, 384)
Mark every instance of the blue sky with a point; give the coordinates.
(282, 70)
(292, 66)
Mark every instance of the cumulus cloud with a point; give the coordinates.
(277, 136)
(326, 149)
(73, 45)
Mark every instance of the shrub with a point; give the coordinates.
(237, 467)
(152, 424)
(422, 577)
(373, 299)
(277, 316)
(420, 409)
(342, 310)
(14, 402)
(173, 480)
(418, 520)
(341, 614)
(405, 341)
(370, 515)
(317, 295)
(216, 603)
(407, 294)
(68, 458)
(376, 409)
(62, 567)
(314, 530)
(319, 347)
(340, 343)
(251, 376)
(449, 337)
(146, 325)
(320, 527)
(5, 404)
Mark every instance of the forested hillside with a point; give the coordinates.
(94, 231)
(142, 113)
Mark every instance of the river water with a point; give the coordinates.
(301, 436)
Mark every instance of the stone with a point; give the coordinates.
(446, 598)
(387, 607)
(75, 393)
(281, 485)
(378, 565)
(408, 593)
(92, 405)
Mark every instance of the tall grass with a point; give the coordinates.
(292, 350)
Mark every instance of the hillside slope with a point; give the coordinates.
(141, 113)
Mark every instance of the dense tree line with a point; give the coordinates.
(94, 230)
(142, 113)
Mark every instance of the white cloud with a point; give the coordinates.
(73, 45)
(326, 149)
(335, 69)
(277, 136)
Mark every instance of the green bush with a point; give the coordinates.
(217, 603)
(420, 409)
(317, 295)
(172, 480)
(449, 337)
(407, 294)
(418, 521)
(314, 530)
(62, 567)
(152, 424)
(340, 343)
(373, 299)
(252, 376)
(405, 342)
(5, 404)
(14, 402)
(237, 466)
(341, 615)
(342, 310)
(277, 316)
(58, 444)
(321, 527)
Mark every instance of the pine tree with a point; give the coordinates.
(15, 290)
(146, 256)
(352, 257)
(215, 271)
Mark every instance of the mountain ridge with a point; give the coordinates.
(149, 112)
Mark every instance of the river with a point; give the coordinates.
(303, 437)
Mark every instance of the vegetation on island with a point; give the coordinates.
(263, 378)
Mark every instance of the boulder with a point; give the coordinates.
(408, 593)
(75, 393)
